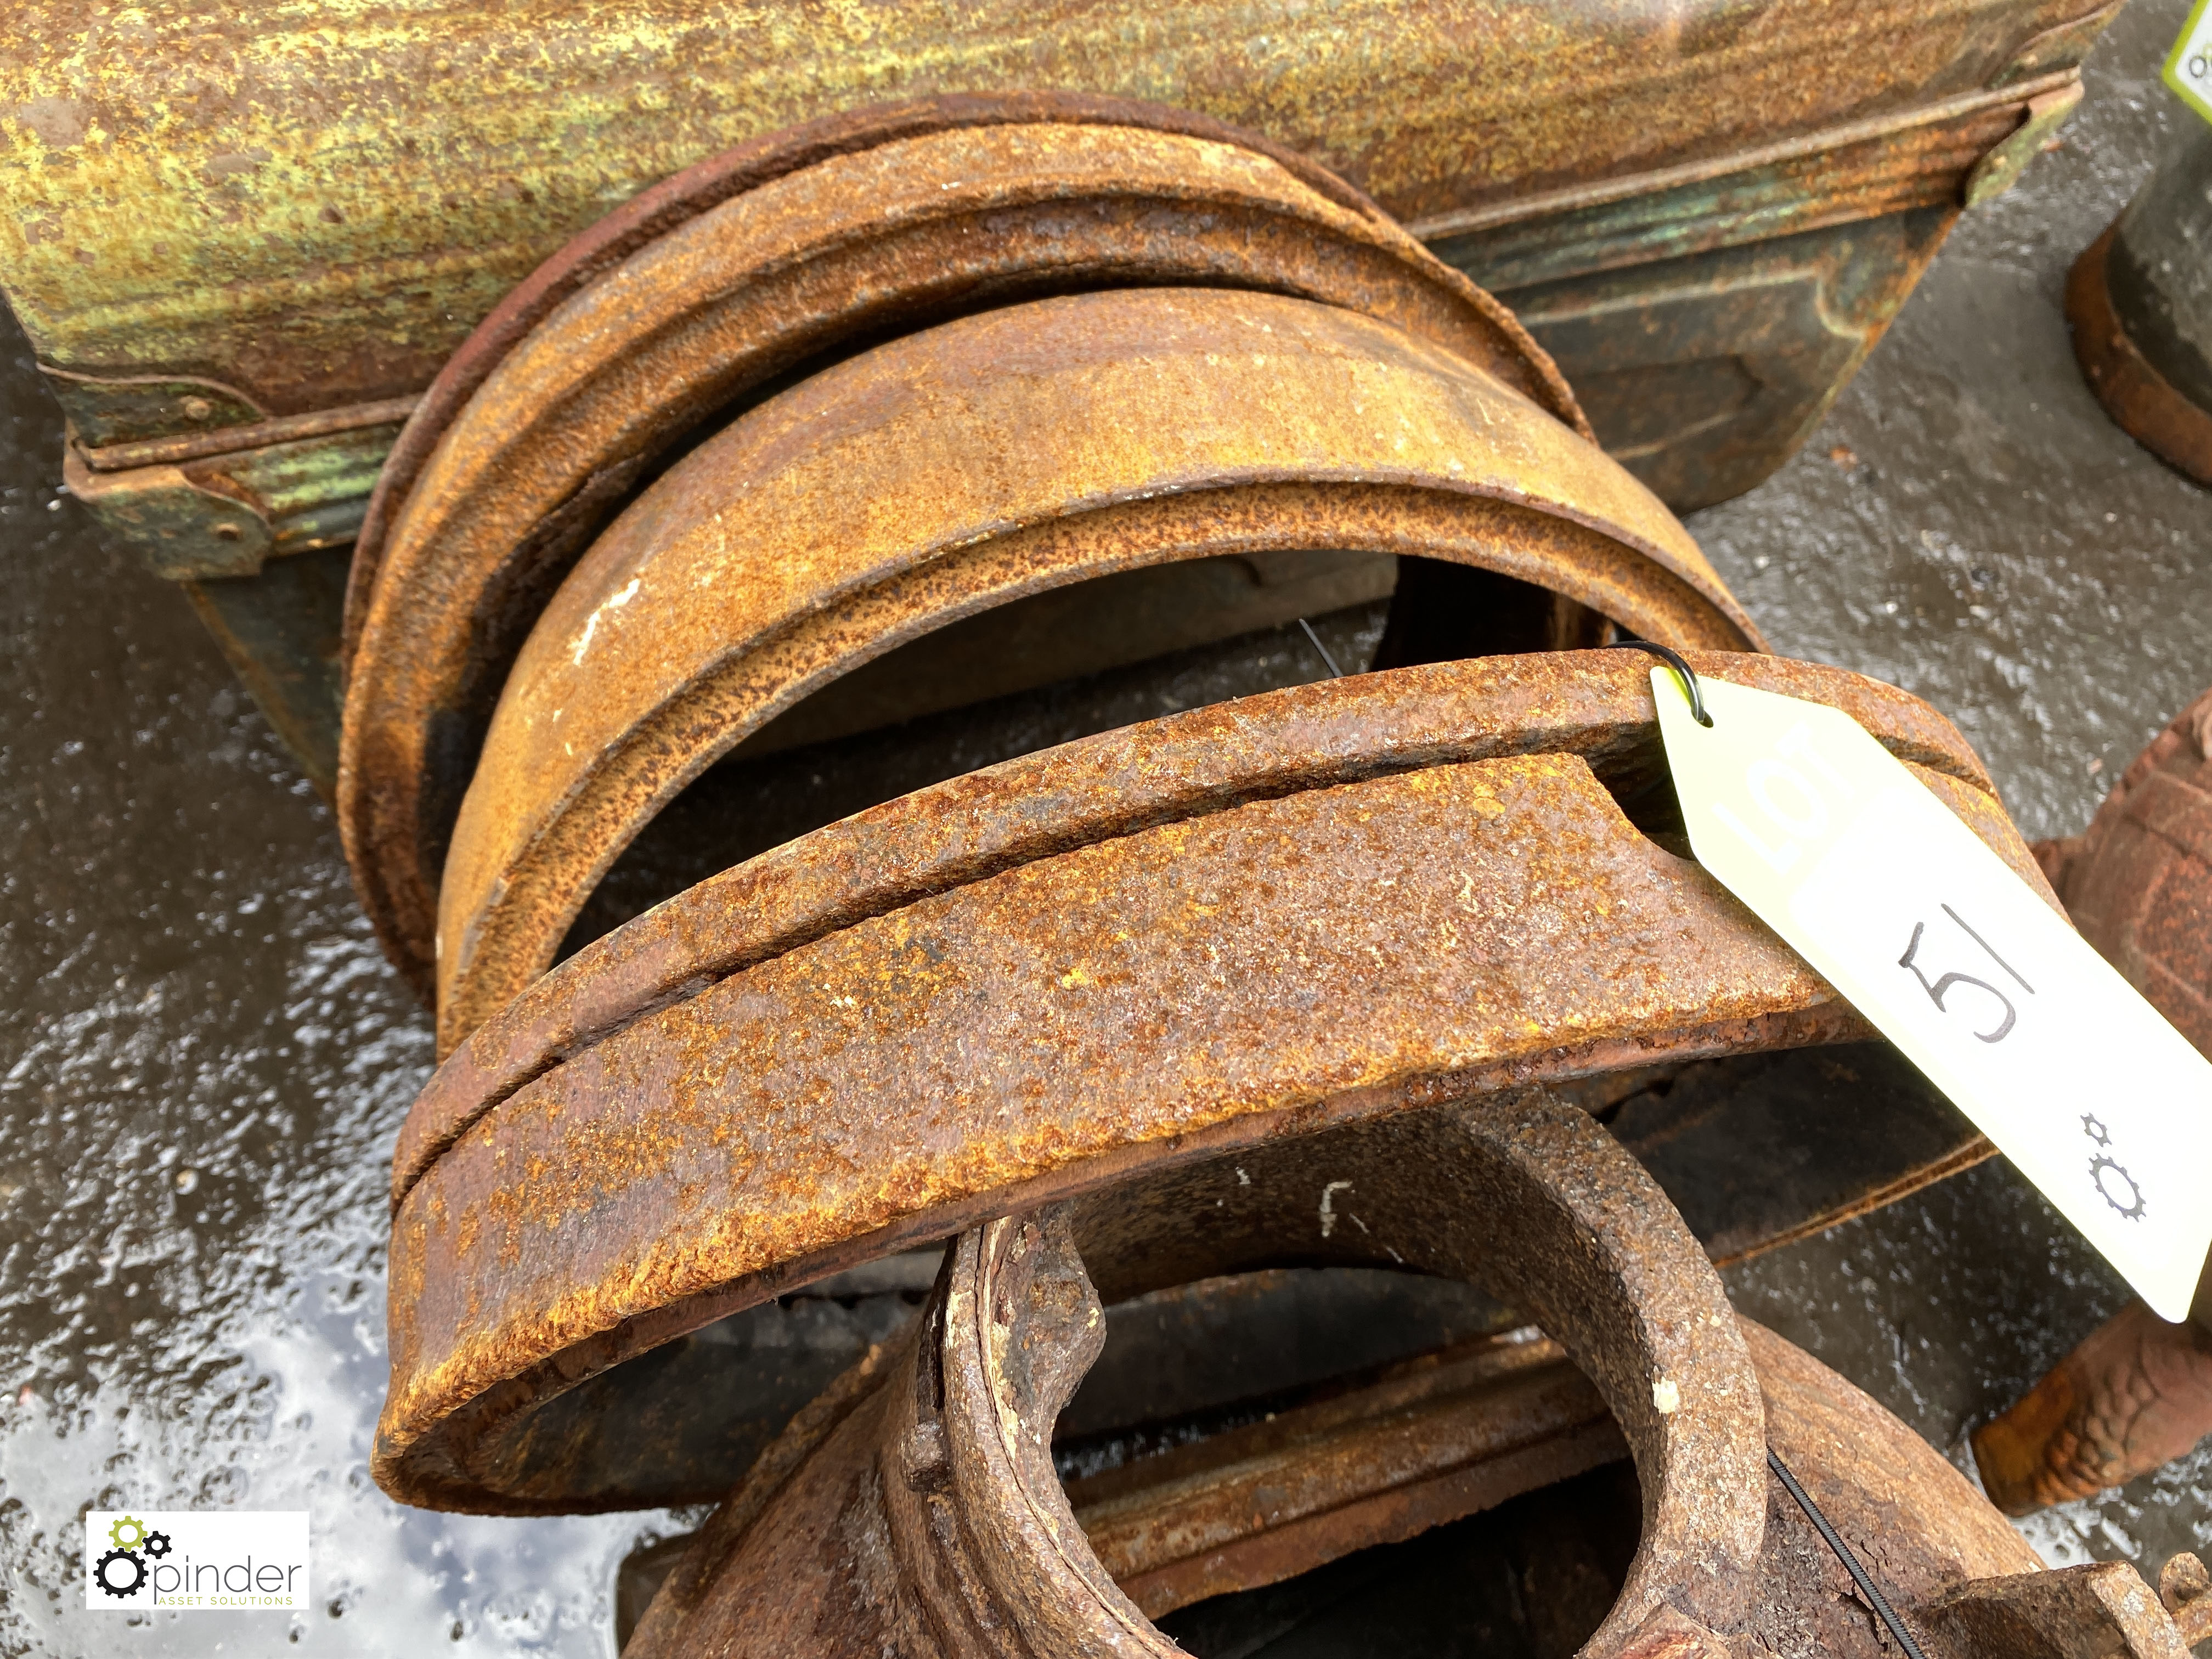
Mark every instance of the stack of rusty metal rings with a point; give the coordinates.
(1289, 980)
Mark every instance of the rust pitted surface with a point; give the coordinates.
(1213, 982)
(974, 462)
(958, 1515)
(1596, 704)
(1915, 1522)
(706, 185)
(326, 205)
(850, 230)
(2138, 881)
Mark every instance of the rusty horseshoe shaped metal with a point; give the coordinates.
(1039, 980)
(954, 470)
(742, 269)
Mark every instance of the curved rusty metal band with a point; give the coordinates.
(1594, 704)
(2141, 401)
(948, 1455)
(948, 471)
(1237, 926)
(682, 196)
(929, 219)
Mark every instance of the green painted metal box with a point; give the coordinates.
(243, 240)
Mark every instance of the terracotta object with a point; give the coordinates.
(2136, 1395)
(2138, 881)
(2138, 884)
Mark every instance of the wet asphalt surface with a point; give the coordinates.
(204, 1058)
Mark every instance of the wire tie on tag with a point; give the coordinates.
(1834, 1541)
(1673, 658)
(1333, 670)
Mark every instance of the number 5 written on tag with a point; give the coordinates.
(1834, 844)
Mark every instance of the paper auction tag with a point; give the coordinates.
(2189, 65)
(1832, 843)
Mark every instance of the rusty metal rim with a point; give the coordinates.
(2141, 401)
(930, 1455)
(734, 584)
(495, 945)
(1580, 1239)
(971, 828)
(1809, 147)
(584, 405)
(430, 1438)
(1881, 1486)
(500, 1306)
(706, 183)
(683, 196)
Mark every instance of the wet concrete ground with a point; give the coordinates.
(204, 1058)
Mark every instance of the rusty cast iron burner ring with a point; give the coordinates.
(683, 196)
(1211, 932)
(1524, 1195)
(914, 1507)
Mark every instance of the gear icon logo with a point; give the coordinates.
(2111, 1178)
(2093, 1127)
(157, 1544)
(109, 1575)
(131, 1525)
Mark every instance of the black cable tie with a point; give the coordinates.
(1844, 1554)
(1673, 658)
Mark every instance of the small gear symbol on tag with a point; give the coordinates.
(109, 1562)
(157, 1544)
(2093, 1127)
(2102, 1165)
(131, 1525)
